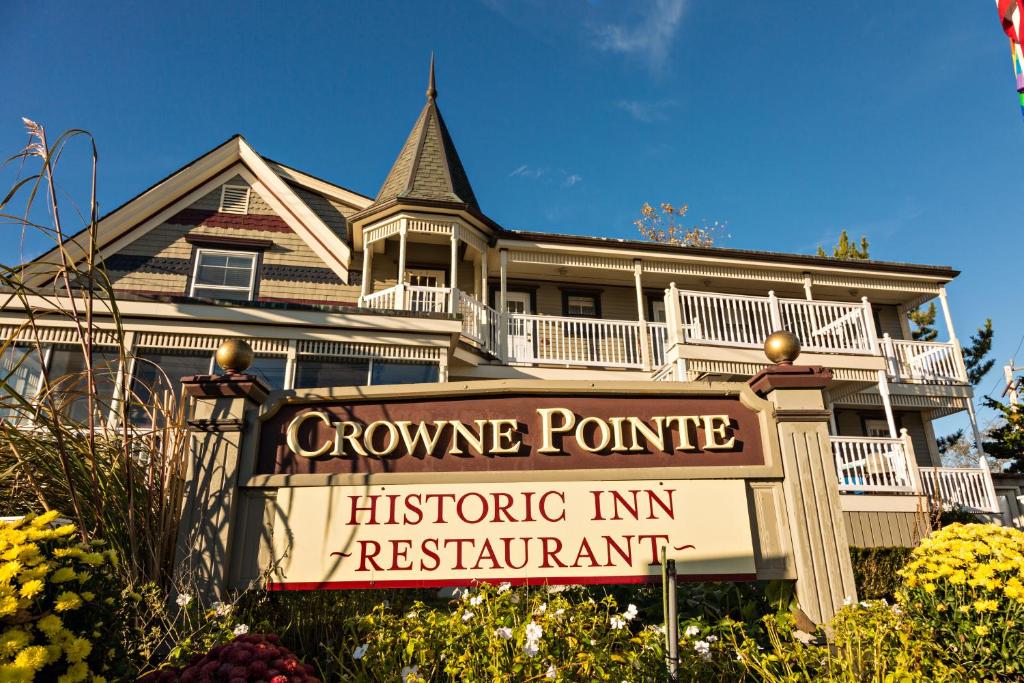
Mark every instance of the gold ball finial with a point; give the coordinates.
(235, 356)
(782, 348)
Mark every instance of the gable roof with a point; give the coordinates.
(428, 167)
(150, 208)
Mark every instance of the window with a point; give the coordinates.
(403, 373)
(67, 377)
(270, 369)
(331, 372)
(234, 199)
(21, 370)
(224, 274)
(876, 428)
(157, 372)
(581, 304)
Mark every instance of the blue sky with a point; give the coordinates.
(788, 120)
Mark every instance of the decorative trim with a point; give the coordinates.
(245, 243)
(215, 219)
(137, 263)
(216, 426)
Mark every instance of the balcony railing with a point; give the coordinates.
(746, 321)
(966, 487)
(918, 361)
(872, 464)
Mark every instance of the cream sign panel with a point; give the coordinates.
(546, 532)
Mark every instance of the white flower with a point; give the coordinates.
(560, 611)
(221, 609)
(661, 628)
(183, 599)
(847, 600)
(542, 609)
(505, 633)
(505, 586)
(551, 672)
(530, 648)
(241, 630)
(865, 603)
(711, 639)
(617, 623)
(409, 673)
(896, 609)
(739, 656)
(467, 615)
(515, 598)
(630, 613)
(690, 631)
(360, 651)
(476, 600)
(534, 631)
(703, 649)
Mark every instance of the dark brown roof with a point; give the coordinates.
(428, 167)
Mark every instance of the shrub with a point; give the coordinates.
(495, 633)
(965, 585)
(56, 603)
(875, 571)
(246, 658)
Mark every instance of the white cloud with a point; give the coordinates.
(646, 112)
(525, 171)
(571, 180)
(650, 38)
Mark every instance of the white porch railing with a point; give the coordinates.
(574, 341)
(402, 297)
(918, 361)
(386, 299)
(967, 487)
(479, 321)
(738, 320)
(658, 334)
(873, 464)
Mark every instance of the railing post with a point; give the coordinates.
(869, 325)
(911, 461)
(400, 297)
(990, 489)
(775, 312)
(675, 336)
(889, 353)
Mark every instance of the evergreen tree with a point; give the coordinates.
(975, 354)
(847, 250)
(923, 323)
(1005, 441)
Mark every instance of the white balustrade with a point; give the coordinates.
(574, 341)
(918, 361)
(427, 299)
(738, 320)
(658, 333)
(872, 464)
(479, 321)
(385, 299)
(966, 487)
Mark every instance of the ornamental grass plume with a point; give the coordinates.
(55, 603)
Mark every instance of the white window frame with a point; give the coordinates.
(880, 426)
(200, 251)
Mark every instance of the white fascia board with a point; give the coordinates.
(353, 199)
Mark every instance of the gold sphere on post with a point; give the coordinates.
(782, 348)
(235, 356)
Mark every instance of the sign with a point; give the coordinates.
(509, 433)
(525, 533)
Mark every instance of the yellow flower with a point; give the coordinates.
(87, 596)
(44, 519)
(67, 601)
(981, 630)
(77, 649)
(985, 605)
(50, 625)
(8, 570)
(30, 589)
(76, 672)
(13, 640)
(92, 558)
(63, 574)
(8, 606)
(32, 658)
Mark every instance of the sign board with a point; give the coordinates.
(572, 532)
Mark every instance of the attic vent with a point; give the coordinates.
(234, 199)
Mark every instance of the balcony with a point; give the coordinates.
(535, 339)
(871, 465)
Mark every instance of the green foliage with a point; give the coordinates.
(847, 250)
(1005, 441)
(964, 587)
(976, 353)
(874, 570)
(924, 321)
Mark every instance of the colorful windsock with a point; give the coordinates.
(1011, 14)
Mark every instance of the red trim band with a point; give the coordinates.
(515, 581)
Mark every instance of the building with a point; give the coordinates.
(419, 284)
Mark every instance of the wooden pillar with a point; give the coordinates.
(222, 407)
(483, 276)
(808, 282)
(641, 315)
(365, 287)
(814, 515)
(883, 390)
(454, 273)
(403, 232)
(503, 351)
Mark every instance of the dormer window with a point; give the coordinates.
(223, 274)
(234, 199)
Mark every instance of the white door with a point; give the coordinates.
(426, 293)
(520, 332)
(658, 311)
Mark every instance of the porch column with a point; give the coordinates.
(820, 552)
(403, 231)
(883, 391)
(807, 287)
(676, 336)
(502, 306)
(973, 417)
(644, 338)
(959, 352)
(483, 276)
(364, 286)
(454, 270)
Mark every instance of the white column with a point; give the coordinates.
(290, 364)
(973, 417)
(946, 315)
(364, 286)
(122, 380)
(403, 231)
(644, 336)
(483, 276)
(504, 282)
(869, 324)
(775, 312)
(807, 287)
(911, 458)
(883, 390)
(454, 284)
(502, 306)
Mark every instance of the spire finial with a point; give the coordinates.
(431, 89)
